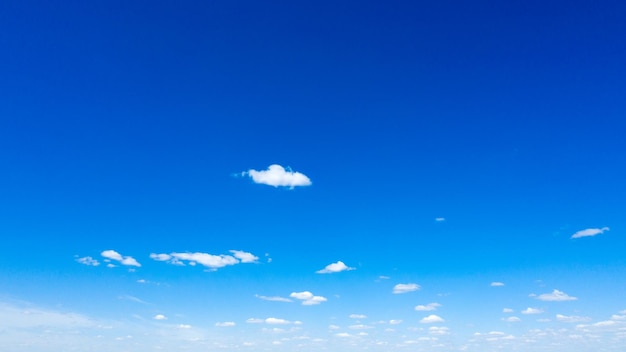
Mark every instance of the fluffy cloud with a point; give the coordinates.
(88, 261)
(532, 311)
(273, 298)
(432, 319)
(159, 317)
(124, 260)
(278, 176)
(277, 321)
(496, 284)
(589, 232)
(225, 324)
(334, 268)
(571, 318)
(555, 296)
(307, 298)
(210, 261)
(404, 288)
(428, 307)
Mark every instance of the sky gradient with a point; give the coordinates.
(312, 176)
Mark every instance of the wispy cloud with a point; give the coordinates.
(512, 319)
(530, 310)
(124, 260)
(277, 321)
(278, 176)
(159, 317)
(358, 316)
(507, 310)
(88, 261)
(273, 298)
(404, 288)
(211, 261)
(334, 268)
(308, 298)
(496, 284)
(432, 319)
(590, 232)
(225, 324)
(571, 318)
(556, 296)
(440, 219)
(427, 307)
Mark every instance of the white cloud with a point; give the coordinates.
(512, 319)
(556, 296)
(160, 257)
(88, 261)
(428, 307)
(618, 317)
(124, 260)
(357, 316)
(159, 317)
(334, 268)
(307, 298)
(278, 176)
(432, 319)
(395, 321)
(571, 318)
(440, 219)
(276, 321)
(404, 288)
(273, 298)
(184, 326)
(530, 310)
(497, 284)
(245, 257)
(507, 310)
(438, 330)
(359, 327)
(225, 324)
(343, 334)
(254, 321)
(589, 232)
(333, 327)
(383, 277)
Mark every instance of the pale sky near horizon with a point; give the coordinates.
(312, 176)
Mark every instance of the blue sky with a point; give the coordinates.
(312, 176)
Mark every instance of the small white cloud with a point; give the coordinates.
(404, 288)
(618, 317)
(358, 316)
(278, 176)
(245, 257)
(530, 310)
(159, 317)
(160, 257)
(555, 296)
(440, 219)
(428, 307)
(333, 327)
(88, 261)
(124, 260)
(276, 321)
(359, 327)
(605, 323)
(225, 324)
(307, 298)
(507, 310)
(438, 330)
(571, 318)
(589, 232)
(395, 321)
(496, 284)
(184, 326)
(254, 321)
(334, 268)
(273, 298)
(343, 334)
(383, 277)
(432, 319)
(512, 319)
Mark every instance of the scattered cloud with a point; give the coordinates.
(404, 288)
(273, 298)
(278, 176)
(439, 330)
(343, 334)
(530, 310)
(440, 219)
(555, 296)
(358, 316)
(512, 319)
(225, 324)
(383, 277)
(88, 261)
(277, 321)
(210, 261)
(507, 310)
(571, 318)
(432, 319)
(496, 284)
(124, 260)
(184, 326)
(589, 232)
(255, 321)
(395, 321)
(159, 317)
(333, 327)
(307, 298)
(427, 307)
(359, 327)
(334, 268)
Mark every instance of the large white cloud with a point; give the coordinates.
(334, 268)
(432, 319)
(308, 298)
(404, 288)
(124, 260)
(556, 296)
(278, 176)
(211, 261)
(589, 232)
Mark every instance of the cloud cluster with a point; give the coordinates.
(278, 176)
(124, 260)
(308, 298)
(404, 288)
(88, 261)
(210, 261)
(334, 268)
(589, 232)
